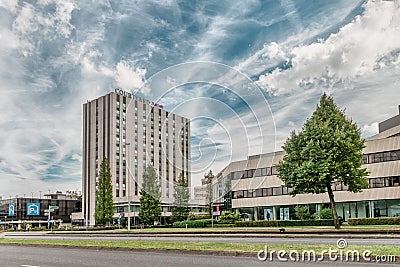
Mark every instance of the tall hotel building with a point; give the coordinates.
(132, 132)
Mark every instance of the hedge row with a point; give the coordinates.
(95, 228)
(276, 223)
(374, 221)
(194, 224)
(193, 217)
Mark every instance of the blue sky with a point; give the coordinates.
(273, 59)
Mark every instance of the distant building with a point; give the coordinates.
(132, 132)
(200, 193)
(19, 210)
(258, 193)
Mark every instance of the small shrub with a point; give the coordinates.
(193, 217)
(324, 214)
(228, 217)
(271, 223)
(302, 212)
(194, 223)
(374, 221)
(276, 223)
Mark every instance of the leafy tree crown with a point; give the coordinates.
(327, 149)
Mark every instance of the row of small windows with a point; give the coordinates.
(381, 157)
(261, 192)
(337, 186)
(367, 159)
(267, 171)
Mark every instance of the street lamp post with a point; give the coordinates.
(127, 185)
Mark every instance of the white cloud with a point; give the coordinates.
(129, 78)
(370, 129)
(360, 48)
(10, 5)
(77, 157)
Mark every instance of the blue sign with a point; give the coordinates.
(33, 209)
(11, 209)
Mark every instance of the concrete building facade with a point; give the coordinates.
(258, 193)
(132, 132)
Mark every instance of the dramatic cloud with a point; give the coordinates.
(55, 55)
(128, 78)
(367, 45)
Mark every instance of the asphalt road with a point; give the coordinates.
(259, 240)
(26, 256)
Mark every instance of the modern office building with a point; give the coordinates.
(19, 210)
(258, 193)
(132, 132)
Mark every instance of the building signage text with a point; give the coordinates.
(133, 96)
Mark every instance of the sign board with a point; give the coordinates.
(134, 96)
(11, 209)
(33, 209)
(52, 208)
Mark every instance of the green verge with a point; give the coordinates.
(343, 229)
(197, 246)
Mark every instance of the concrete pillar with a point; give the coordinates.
(255, 213)
(371, 209)
(275, 213)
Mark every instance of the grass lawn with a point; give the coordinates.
(198, 246)
(344, 228)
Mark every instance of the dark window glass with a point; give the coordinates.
(274, 170)
(264, 192)
(396, 181)
(258, 193)
(249, 173)
(365, 159)
(377, 182)
(257, 173)
(270, 191)
(277, 191)
(237, 175)
(264, 172)
(381, 157)
(284, 190)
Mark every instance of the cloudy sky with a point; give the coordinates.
(245, 72)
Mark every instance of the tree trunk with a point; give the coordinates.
(333, 206)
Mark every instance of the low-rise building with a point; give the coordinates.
(258, 193)
(17, 211)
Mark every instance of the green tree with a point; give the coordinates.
(180, 211)
(150, 205)
(104, 200)
(302, 212)
(328, 149)
(209, 189)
